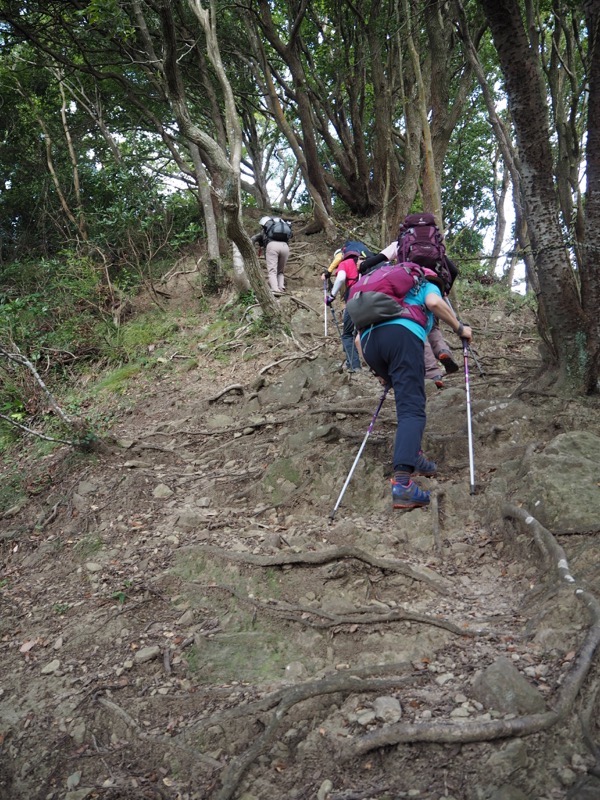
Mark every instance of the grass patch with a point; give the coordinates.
(88, 546)
(117, 381)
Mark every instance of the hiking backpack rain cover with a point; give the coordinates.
(355, 248)
(420, 241)
(278, 231)
(379, 295)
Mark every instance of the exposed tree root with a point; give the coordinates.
(303, 304)
(306, 354)
(360, 616)
(423, 574)
(444, 731)
(234, 387)
(340, 683)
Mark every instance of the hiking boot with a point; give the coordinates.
(425, 467)
(448, 363)
(408, 496)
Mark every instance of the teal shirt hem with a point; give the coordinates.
(412, 298)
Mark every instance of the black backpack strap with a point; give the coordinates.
(371, 262)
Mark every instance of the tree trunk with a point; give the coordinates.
(509, 156)
(386, 172)
(500, 226)
(590, 275)
(561, 319)
(212, 276)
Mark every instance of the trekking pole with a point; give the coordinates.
(465, 345)
(325, 302)
(477, 364)
(358, 455)
(337, 325)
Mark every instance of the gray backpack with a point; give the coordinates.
(278, 230)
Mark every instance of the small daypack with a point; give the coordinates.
(420, 241)
(278, 230)
(379, 295)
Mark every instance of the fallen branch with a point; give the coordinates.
(343, 410)
(17, 358)
(259, 424)
(39, 435)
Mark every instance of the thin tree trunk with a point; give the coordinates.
(322, 217)
(227, 164)
(432, 199)
(213, 272)
(81, 221)
(500, 226)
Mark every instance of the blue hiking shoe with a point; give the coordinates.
(425, 467)
(408, 495)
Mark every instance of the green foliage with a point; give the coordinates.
(246, 299)
(471, 293)
(50, 310)
(50, 306)
(468, 178)
(146, 330)
(11, 486)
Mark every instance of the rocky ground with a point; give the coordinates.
(181, 617)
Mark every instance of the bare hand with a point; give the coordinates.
(467, 333)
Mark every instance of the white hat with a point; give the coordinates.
(263, 220)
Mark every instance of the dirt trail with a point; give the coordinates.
(181, 620)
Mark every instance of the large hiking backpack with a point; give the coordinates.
(379, 295)
(278, 230)
(420, 241)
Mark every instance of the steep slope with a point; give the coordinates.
(182, 619)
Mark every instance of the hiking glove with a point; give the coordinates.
(329, 299)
